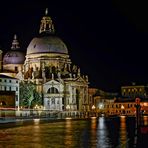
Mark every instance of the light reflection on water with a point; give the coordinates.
(145, 120)
(68, 133)
(123, 132)
(94, 133)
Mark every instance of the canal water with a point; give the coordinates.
(115, 132)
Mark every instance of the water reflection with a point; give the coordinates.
(36, 133)
(102, 134)
(94, 133)
(68, 133)
(123, 132)
(145, 120)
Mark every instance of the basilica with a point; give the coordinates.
(47, 64)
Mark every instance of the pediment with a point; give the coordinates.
(80, 79)
(52, 82)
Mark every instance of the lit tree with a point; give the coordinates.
(28, 95)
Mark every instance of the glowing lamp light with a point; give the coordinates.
(122, 107)
(101, 106)
(145, 104)
(68, 107)
(93, 107)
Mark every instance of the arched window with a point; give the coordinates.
(52, 90)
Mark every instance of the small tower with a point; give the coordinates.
(1, 60)
(15, 43)
(46, 24)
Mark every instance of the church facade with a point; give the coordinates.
(47, 64)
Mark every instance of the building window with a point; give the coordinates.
(5, 88)
(53, 90)
(9, 81)
(16, 97)
(10, 88)
(0, 80)
(16, 88)
(5, 80)
(48, 102)
(16, 81)
(16, 69)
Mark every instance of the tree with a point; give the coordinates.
(28, 95)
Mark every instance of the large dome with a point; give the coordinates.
(47, 44)
(14, 57)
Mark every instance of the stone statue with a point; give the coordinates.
(59, 75)
(52, 76)
(20, 75)
(43, 75)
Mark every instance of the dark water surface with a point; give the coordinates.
(116, 132)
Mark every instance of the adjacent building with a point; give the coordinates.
(134, 91)
(9, 92)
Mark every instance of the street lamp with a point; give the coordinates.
(122, 108)
(93, 109)
(68, 107)
(36, 109)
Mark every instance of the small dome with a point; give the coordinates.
(14, 57)
(47, 44)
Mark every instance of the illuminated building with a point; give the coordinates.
(9, 91)
(48, 66)
(112, 104)
(134, 91)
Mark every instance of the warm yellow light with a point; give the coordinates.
(93, 107)
(145, 104)
(36, 121)
(68, 118)
(122, 107)
(68, 107)
(93, 118)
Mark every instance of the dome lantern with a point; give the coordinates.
(15, 43)
(46, 24)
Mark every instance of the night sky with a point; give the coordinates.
(107, 39)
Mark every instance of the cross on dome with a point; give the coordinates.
(46, 11)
